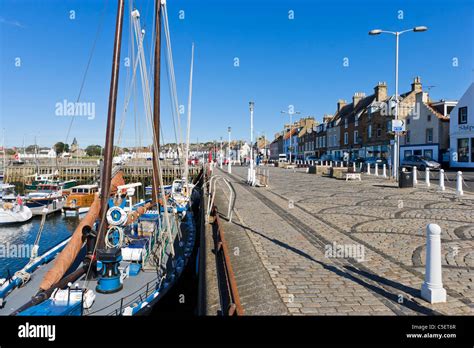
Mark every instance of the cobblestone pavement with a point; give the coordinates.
(296, 223)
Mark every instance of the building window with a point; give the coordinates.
(408, 137)
(472, 149)
(346, 122)
(429, 135)
(463, 150)
(462, 115)
(356, 135)
(356, 121)
(379, 132)
(407, 153)
(429, 118)
(346, 138)
(369, 131)
(408, 120)
(334, 140)
(428, 154)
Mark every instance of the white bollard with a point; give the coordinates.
(427, 177)
(415, 180)
(384, 170)
(312, 163)
(432, 289)
(330, 163)
(342, 164)
(376, 169)
(459, 190)
(360, 166)
(353, 167)
(441, 180)
(229, 168)
(368, 168)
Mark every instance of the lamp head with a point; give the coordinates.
(420, 28)
(375, 32)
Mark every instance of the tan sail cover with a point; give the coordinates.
(70, 252)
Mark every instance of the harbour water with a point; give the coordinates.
(17, 240)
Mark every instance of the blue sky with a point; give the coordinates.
(282, 61)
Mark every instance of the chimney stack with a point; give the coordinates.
(340, 104)
(380, 91)
(327, 118)
(416, 85)
(358, 96)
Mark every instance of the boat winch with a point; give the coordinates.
(108, 261)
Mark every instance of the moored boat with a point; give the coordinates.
(80, 199)
(47, 196)
(12, 207)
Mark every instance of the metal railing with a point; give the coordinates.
(230, 299)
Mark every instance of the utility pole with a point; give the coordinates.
(251, 175)
(229, 166)
(291, 112)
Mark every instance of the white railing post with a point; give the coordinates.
(330, 163)
(459, 190)
(360, 166)
(384, 170)
(353, 167)
(368, 168)
(342, 164)
(415, 180)
(427, 177)
(441, 180)
(376, 169)
(432, 289)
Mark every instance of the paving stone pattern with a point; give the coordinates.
(293, 224)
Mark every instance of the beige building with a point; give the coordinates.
(427, 129)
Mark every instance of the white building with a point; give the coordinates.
(462, 131)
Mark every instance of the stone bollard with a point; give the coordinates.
(459, 190)
(441, 180)
(384, 170)
(432, 289)
(415, 180)
(368, 168)
(427, 177)
(376, 169)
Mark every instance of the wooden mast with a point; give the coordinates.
(156, 99)
(109, 137)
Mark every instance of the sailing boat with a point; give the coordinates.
(118, 261)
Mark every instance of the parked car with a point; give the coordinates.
(312, 158)
(420, 162)
(373, 160)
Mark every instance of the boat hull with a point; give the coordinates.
(12, 217)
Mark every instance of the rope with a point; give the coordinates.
(99, 28)
(23, 276)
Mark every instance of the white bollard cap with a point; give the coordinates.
(433, 229)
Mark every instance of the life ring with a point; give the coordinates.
(116, 216)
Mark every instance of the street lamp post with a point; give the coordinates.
(229, 168)
(220, 156)
(251, 174)
(291, 113)
(396, 147)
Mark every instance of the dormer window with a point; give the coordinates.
(346, 122)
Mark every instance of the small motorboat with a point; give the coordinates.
(12, 207)
(49, 196)
(80, 199)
